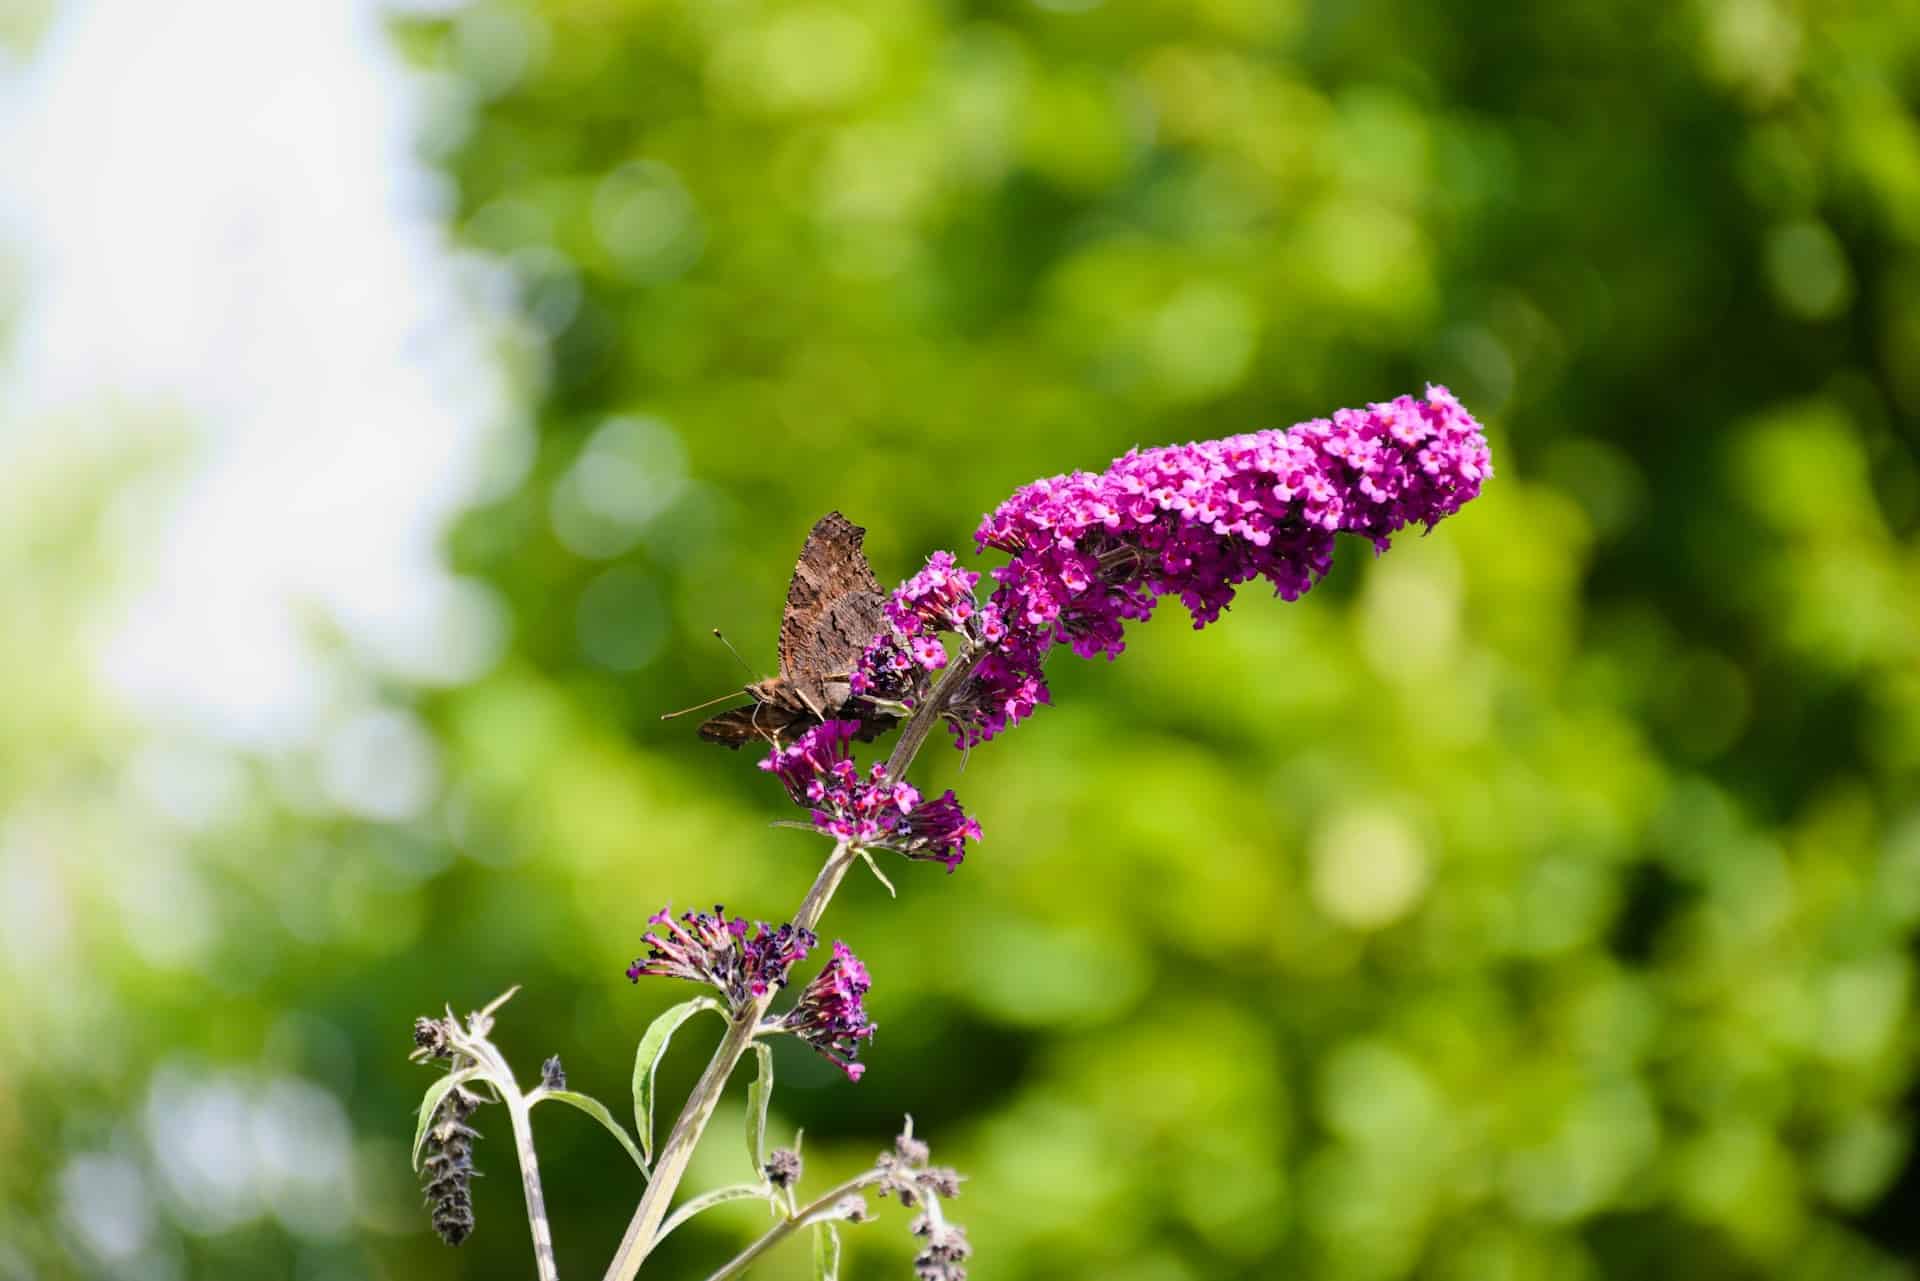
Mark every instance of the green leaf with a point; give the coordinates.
(719, 1196)
(430, 1103)
(759, 1094)
(646, 1061)
(826, 1252)
(598, 1111)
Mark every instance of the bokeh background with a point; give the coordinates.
(394, 396)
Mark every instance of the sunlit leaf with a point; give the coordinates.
(598, 1111)
(646, 1062)
(759, 1094)
(826, 1252)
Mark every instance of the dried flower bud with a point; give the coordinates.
(430, 1039)
(783, 1167)
(552, 1075)
(852, 1208)
(447, 1170)
(911, 1150)
(941, 1180)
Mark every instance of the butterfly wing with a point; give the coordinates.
(773, 723)
(834, 607)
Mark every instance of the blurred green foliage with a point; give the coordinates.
(1537, 902)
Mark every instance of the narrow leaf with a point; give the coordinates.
(759, 1094)
(719, 1196)
(598, 1111)
(878, 874)
(430, 1104)
(646, 1061)
(826, 1252)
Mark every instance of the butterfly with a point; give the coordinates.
(834, 607)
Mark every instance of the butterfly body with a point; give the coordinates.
(834, 607)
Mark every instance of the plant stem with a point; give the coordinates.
(483, 1052)
(928, 713)
(791, 1224)
(548, 1268)
(643, 1228)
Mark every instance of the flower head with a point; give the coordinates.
(936, 830)
(830, 1015)
(868, 809)
(1091, 553)
(743, 961)
(938, 598)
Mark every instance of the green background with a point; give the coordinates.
(1536, 902)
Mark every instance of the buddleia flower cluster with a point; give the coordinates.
(869, 810)
(1091, 553)
(743, 962)
(830, 1015)
(937, 599)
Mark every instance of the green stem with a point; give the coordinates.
(780, 1231)
(501, 1077)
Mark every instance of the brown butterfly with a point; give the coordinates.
(834, 607)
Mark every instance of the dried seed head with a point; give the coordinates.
(947, 1248)
(941, 1180)
(911, 1150)
(430, 1039)
(447, 1169)
(783, 1167)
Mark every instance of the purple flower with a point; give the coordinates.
(806, 764)
(938, 598)
(743, 961)
(868, 809)
(936, 830)
(1093, 553)
(829, 1015)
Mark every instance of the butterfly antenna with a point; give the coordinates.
(724, 698)
(722, 638)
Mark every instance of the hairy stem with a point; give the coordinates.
(927, 715)
(543, 1259)
(496, 1072)
(791, 1224)
(644, 1227)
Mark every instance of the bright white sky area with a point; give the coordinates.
(220, 248)
(221, 223)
